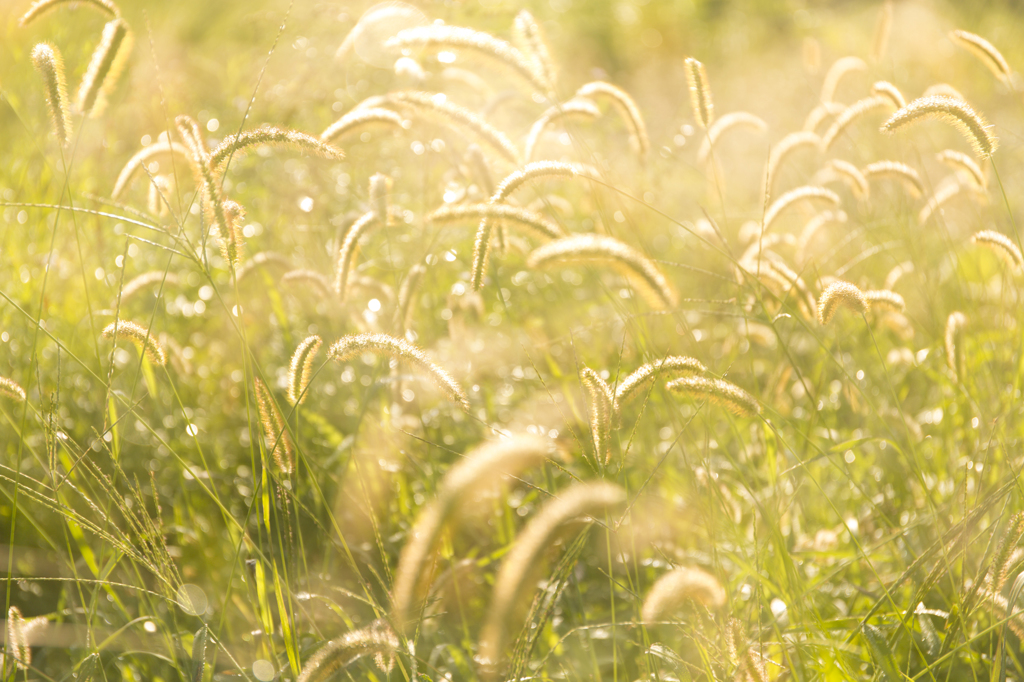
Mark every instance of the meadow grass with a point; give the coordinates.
(725, 384)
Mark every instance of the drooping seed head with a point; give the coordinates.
(279, 440)
(985, 52)
(1003, 247)
(679, 586)
(718, 391)
(644, 377)
(965, 164)
(599, 401)
(377, 639)
(734, 119)
(839, 69)
(11, 389)
(360, 119)
(627, 108)
(910, 178)
(890, 92)
(138, 335)
(886, 300)
(105, 67)
(840, 294)
(954, 111)
(40, 7)
(238, 144)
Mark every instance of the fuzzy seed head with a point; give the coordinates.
(105, 67)
(955, 324)
(360, 119)
(138, 335)
(700, 93)
(11, 389)
(910, 178)
(794, 196)
(679, 586)
(627, 108)
(40, 7)
(953, 111)
(965, 164)
(599, 400)
(1003, 247)
(48, 62)
(885, 300)
(388, 346)
(641, 380)
(377, 639)
(985, 52)
(279, 440)
(270, 135)
(718, 391)
(300, 370)
(840, 294)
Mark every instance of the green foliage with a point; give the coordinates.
(852, 486)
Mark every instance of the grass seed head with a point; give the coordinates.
(40, 7)
(1003, 247)
(300, 370)
(138, 335)
(675, 588)
(627, 108)
(986, 53)
(108, 60)
(840, 294)
(11, 389)
(955, 324)
(718, 391)
(48, 62)
(954, 111)
(279, 440)
(700, 93)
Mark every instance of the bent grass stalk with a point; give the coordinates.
(142, 158)
(885, 300)
(717, 391)
(105, 68)
(812, 228)
(239, 143)
(1003, 247)
(852, 176)
(785, 147)
(627, 108)
(986, 53)
(147, 279)
(601, 250)
(580, 499)
(531, 171)
(398, 349)
(300, 369)
(890, 92)
(676, 588)
(794, 196)
(837, 295)
(377, 640)
(436, 107)
(946, 192)
(735, 119)
(312, 278)
(962, 162)
(909, 177)
(461, 38)
(40, 7)
(599, 404)
(279, 441)
(529, 39)
(644, 377)
(359, 119)
(481, 468)
(850, 114)
(839, 70)
(138, 335)
(536, 224)
(950, 110)
(575, 109)
(48, 62)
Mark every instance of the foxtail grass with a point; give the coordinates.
(484, 466)
(627, 108)
(890, 92)
(953, 111)
(601, 250)
(237, 144)
(643, 378)
(719, 392)
(734, 119)
(679, 586)
(986, 53)
(142, 158)
(378, 640)
(435, 107)
(579, 500)
(1003, 247)
(535, 224)
(300, 369)
(795, 196)
(105, 68)
(841, 68)
(785, 147)
(41, 7)
(964, 163)
(599, 404)
(700, 93)
(11, 389)
(50, 66)
(279, 441)
(360, 119)
(853, 178)
(908, 177)
(840, 295)
(853, 112)
(885, 300)
(575, 108)
(460, 38)
(138, 335)
(349, 347)
(529, 38)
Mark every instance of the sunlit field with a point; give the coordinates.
(619, 341)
